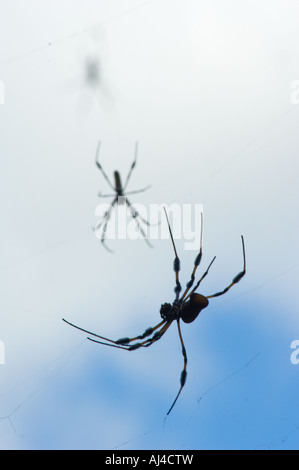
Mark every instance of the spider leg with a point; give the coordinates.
(123, 343)
(100, 167)
(158, 335)
(132, 166)
(136, 214)
(88, 332)
(105, 195)
(105, 246)
(138, 190)
(184, 371)
(105, 222)
(176, 263)
(237, 278)
(108, 344)
(204, 275)
(106, 215)
(196, 264)
(148, 332)
(133, 212)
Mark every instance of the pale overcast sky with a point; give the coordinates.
(209, 91)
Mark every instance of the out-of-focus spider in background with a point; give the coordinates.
(186, 308)
(119, 197)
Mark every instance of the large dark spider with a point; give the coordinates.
(186, 308)
(119, 197)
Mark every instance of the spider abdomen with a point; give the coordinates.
(117, 181)
(192, 308)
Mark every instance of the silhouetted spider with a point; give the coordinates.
(120, 197)
(187, 307)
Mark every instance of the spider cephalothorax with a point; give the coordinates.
(170, 312)
(186, 307)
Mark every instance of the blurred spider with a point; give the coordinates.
(119, 197)
(186, 308)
